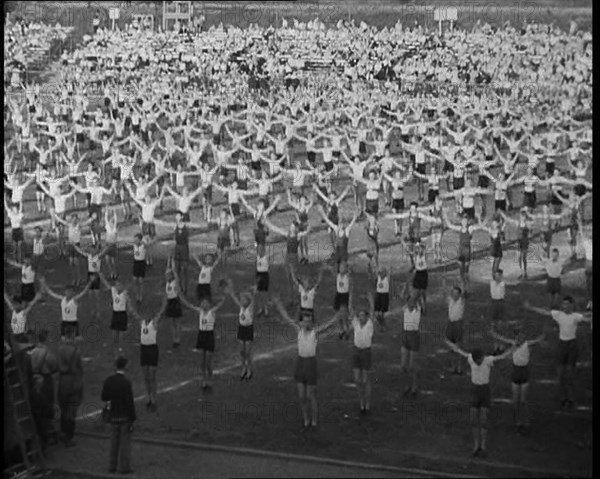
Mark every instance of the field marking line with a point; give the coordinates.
(223, 370)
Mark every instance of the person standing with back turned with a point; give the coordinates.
(117, 393)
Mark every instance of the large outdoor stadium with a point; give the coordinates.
(298, 239)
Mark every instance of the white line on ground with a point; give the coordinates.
(182, 384)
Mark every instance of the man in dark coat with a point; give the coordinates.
(117, 393)
(43, 366)
(70, 384)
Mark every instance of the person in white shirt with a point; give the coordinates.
(342, 299)
(28, 276)
(69, 303)
(205, 342)
(94, 255)
(19, 310)
(15, 216)
(38, 249)
(568, 321)
(148, 349)
(455, 326)
(306, 286)
(74, 241)
(520, 375)
(553, 266)
(173, 306)
(305, 374)
(120, 306)
(412, 311)
(262, 280)
(148, 207)
(481, 366)
(139, 265)
(363, 328)
(245, 333)
(497, 294)
(207, 266)
(588, 249)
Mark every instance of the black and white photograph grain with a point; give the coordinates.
(298, 239)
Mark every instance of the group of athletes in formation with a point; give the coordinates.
(466, 159)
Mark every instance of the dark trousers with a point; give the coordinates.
(42, 405)
(120, 444)
(69, 399)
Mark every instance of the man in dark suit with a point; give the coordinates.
(117, 393)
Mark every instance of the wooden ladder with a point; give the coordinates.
(32, 464)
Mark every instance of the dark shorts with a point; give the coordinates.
(458, 183)
(483, 181)
(203, 291)
(69, 324)
(500, 205)
(181, 253)
(306, 371)
(550, 168)
(481, 396)
(262, 281)
(149, 229)
(149, 355)
(97, 209)
(580, 190)
(304, 312)
(112, 250)
(432, 195)
(523, 243)
(207, 193)
(94, 278)
(173, 308)
(496, 249)
(567, 353)
(139, 269)
(411, 340)
(185, 217)
(382, 302)
(235, 209)
(119, 321)
(465, 254)
(398, 204)
(547, 237)
(361, 359)
(454, 331)
(421, 168)
(312, 157)
(223, 242)
(470, 212)
(530, 199)
(372, 207)
(554, 285)
(206, 341)
(17, 234)
(245, 333)
(341, 299)
(520, 374)
(497, 310)
(420, 280)
(27, 292)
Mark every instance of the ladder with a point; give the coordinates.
(32, 464)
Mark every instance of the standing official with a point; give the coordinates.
(70, 384)
(118, 394)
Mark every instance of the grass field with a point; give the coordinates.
(264, 413)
